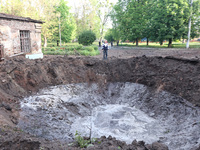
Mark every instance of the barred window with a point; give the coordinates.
(25, 41)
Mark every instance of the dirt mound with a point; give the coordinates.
(20, 77)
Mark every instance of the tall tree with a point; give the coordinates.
(48, 15)
(103, 9)
(86, 18)
(12, 7)
(169, 20)
(195, 19)
(131, 19)
(67, 22)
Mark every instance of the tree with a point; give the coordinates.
(195, 19)
(112, 35)
(115, 27)
(86, 37)
(12, 7)
(109, 36)
(169, 20)
(48, 15)
(130, 17)
(67, 23)
(86, 18)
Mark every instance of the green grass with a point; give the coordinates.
(70, 49)
(165, 45)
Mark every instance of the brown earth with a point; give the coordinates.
(172, 70)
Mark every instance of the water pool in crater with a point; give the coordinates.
(127, 111)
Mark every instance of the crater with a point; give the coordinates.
(124, 110)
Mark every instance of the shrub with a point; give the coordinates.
(81, 141)
(79, 47)
(86, 38)
(90, 49)
(95, 47)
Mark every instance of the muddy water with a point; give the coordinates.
(126, 111)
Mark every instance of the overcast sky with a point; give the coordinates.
(71, 3)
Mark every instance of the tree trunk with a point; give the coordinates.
(170, 43)
(161, 43)
(183, 41)
(45, 41)
(147, 41)
(136, 41)
(100, 40)
(117, 43)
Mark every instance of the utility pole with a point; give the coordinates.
(189, 26)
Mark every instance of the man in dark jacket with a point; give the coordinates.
(105, 50)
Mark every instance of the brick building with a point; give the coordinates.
(19, 35)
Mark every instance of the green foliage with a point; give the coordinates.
(130, 18)
(86, 17)
(90, 49)
(169, 20)
(165, 45)
(67, 23)
(87, 37)
(82, 142)
(95, 47)
(109, 36)
(71, 49)
(157, 20)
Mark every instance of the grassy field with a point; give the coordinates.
(70, 49)
(77, 49)
(165, 45)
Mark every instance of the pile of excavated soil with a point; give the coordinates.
(177, 72)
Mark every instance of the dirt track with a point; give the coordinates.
(175, 71)
(128, 52)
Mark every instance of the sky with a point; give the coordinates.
(72, 3)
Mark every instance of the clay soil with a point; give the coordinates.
(174, 70)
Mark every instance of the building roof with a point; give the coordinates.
(12, 17)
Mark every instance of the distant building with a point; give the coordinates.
(19, 35)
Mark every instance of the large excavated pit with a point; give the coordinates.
(151, 99)
(127, 111)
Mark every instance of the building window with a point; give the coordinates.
(25, 41)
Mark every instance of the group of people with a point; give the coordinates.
(105, 49)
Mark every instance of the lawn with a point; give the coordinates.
(70, 49)
(165, 45)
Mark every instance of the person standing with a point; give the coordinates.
(105, 50)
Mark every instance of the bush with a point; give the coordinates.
(95, 48)
(79, 47)
(80, 140)
(86, 38)
(90, 49)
